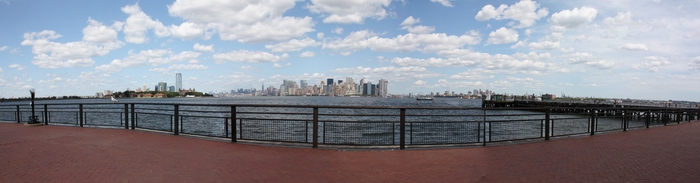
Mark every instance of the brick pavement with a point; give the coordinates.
(74, 154)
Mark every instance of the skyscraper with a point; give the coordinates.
(178, 82)
(162, 86)
(383, 90)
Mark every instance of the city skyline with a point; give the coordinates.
(622, 49)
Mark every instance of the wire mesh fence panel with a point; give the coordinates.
(273, 130)
(161, 122)
(608, 123)
(426, 133)
(8, 116)
(561, 127)
(207, 126)
(61, 117)
(514, 130)
(359, 133)
(104, 118)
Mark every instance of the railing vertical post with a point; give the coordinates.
(624, 120)
(80, 114)
(315, 133)
(126, 116)
(176, 124)
(18, 115)
(233, 124)
(46, 115)
(593, 122)
(402, 136)
(225, 127)
(648, 120)
(485, 127)
(133, 116)
(546, 124)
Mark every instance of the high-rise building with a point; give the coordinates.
(329, 82)
(162, 86)
(303, 84)
(171, 89)
(383, 87)
(178, 81)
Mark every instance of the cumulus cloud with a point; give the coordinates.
(531, 63)
(17, 66)
(98, 40)
(653, 63)
(695, 64)
(350, 11)
(445, 3)
(633, 47)
(203, 48)
(621, 18)
(544, 45)
(338, 30)
(3, 48)
(153, 57)
(293, 45)
(307, 54)
(391, 73)
(601, 64)
(177, 68)
(138, 24)
(434, 42)
(473, 74)
(319, 35)
(502, 36)
(408, 24)
(525, 12)
(587, 59)
(244, 21)
(573, 18)
(248, 56)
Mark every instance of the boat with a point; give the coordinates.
(424, 98)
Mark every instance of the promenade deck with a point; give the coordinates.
(73, 154)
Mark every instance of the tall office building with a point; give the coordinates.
(162, 86)
(178, 82)
(303, 84)
(382, 86)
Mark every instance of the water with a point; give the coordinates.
(462, 122)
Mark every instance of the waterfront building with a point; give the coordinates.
(171, 89)
(383, 87)
(162, 86)
(178, 82)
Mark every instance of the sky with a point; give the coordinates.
(639, 49)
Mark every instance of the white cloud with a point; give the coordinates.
(319, 35)
(573, 18)
(187, 30)
(443, 2)
(293, 45)
(621, 18)
(338, 30)
(526, 12)
(307, 54)
(653, 63)
(350, 11)
(694, 65)
(420, 83)
(98, 40)
(153, 57)
(17, 66)
(476, 74)
(276, 65)
(434, 62)
(244, 21)
(531, 63)
(544, 45)
(633, 47)
(502, 36)
(248, 56)
(390, 73)
(407, 24)
(601, 64)
(434, 42)
(199, 47)
(3, 48)
(519, 44)
(138, 24)
(177, 68)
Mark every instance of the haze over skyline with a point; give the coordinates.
(644, 49)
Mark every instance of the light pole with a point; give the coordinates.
(33, 118)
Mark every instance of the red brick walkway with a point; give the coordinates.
(74, 154)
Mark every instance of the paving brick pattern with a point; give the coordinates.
(74, 154)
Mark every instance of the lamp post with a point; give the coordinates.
(33, 118)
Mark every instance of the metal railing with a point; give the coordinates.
(353, 125)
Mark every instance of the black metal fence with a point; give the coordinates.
(357, 126)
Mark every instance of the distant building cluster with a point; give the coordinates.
(145, 92)
(329, 87)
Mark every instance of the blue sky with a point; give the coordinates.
(644, 49)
